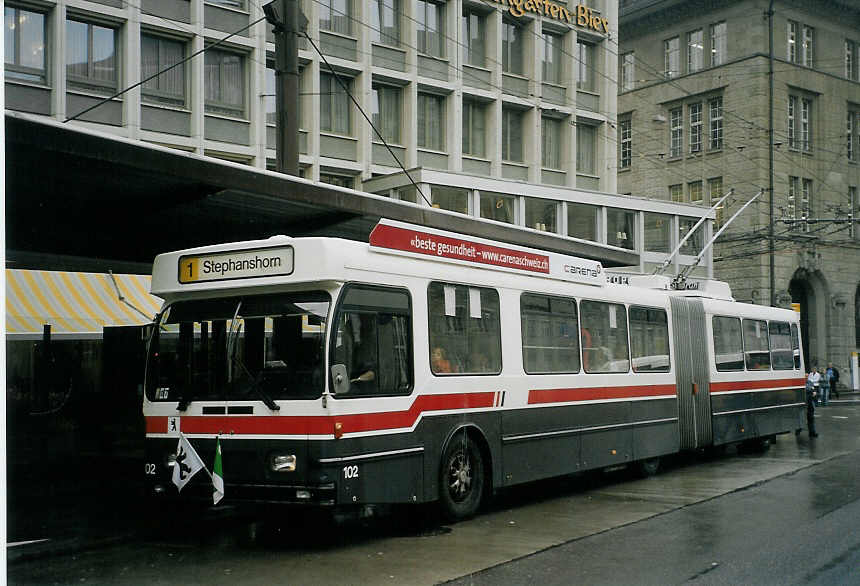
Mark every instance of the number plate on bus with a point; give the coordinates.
(236, 264)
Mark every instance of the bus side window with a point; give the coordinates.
(795, 346)
(374, 340)
(728, 343)
(756, 345)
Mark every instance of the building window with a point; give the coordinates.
(541, 214)
(512, 133)
(512, 48)
(499, 207)
(385, 22)
(582, 221)
(552, 46)
(695, 189)
(676, 193)
(849, 134)
(621, 228)
(715, 192)
(805, 124)
(224, 82)
(431, 122)
(718, 44)
(695, 111)
(792, 122)
(625, 139)
(474, 128)
(851, 69)
(806, 207)
(24, 45)
(628, 71)
(715, 115)
(808, 37)
(157, 54)
(386, 112)
(430, 22)
(551, 142)
(852, 199)
(694, 243)
(676, 132)
(338, 180)
(585, 67)
(671, 57)
(793, 211)
(91, 55)
(586, 149)
(450, 198)
(791, 36)
(695, 50)
(335, 115)
(335, 16)
(658, 232)
(474, 35)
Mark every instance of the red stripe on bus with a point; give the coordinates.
(322, 424)
(439, 246)
(743, 385)
(537, 396)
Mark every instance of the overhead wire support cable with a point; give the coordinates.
(165, 70)
(369, 121)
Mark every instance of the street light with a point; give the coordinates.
(287, 23)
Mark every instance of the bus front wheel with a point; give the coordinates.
(461, 482)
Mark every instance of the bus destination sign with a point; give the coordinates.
(404, 238)
(236, 264)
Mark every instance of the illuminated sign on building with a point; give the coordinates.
(583, 15)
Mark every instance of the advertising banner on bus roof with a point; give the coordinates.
(400, 238)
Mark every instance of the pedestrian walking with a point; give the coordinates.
(832, 376)
(813, 381)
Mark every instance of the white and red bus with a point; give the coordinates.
(426, 365)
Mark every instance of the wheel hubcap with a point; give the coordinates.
(459, 473)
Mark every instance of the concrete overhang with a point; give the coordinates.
(86, 194)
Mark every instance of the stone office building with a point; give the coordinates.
(502, 110)
(695, 103)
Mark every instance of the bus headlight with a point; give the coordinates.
(284, 463)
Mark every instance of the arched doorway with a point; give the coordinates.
(809, 290)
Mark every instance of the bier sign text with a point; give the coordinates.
(236, 264)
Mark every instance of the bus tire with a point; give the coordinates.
(461, 478)
(649, 467)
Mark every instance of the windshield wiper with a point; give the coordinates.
(255, 386)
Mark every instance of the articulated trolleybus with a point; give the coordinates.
(427, 365)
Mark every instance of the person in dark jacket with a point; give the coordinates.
(812, 384)
(832, 376)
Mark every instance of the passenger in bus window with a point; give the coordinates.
(364, 355)
(439, 364)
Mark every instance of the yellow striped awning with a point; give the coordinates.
(75, 304)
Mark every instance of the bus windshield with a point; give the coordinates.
(244, 348)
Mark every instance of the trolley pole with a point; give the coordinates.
(288, 23)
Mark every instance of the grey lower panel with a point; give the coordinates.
(743, 416)
(27, 98)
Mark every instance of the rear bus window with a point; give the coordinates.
(549, 330)
(649, 339)
(757, 349)
(728, 344)
(781, 352)
(465, 336)
(604, 337)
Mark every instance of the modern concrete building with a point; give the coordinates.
(500, 110)
(719, 95)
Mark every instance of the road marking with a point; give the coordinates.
(838, 417)
(17, 543)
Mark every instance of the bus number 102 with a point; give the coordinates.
(350, 472)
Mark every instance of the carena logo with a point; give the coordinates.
(584, 271)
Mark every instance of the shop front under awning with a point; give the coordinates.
(75, 305)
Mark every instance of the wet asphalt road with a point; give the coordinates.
(791, 515)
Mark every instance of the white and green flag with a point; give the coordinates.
(217, 474)
(187, 464)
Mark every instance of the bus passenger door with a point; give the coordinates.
(692, 377)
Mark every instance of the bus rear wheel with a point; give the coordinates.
(461, 478)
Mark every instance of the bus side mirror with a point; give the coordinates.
(339, 379)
